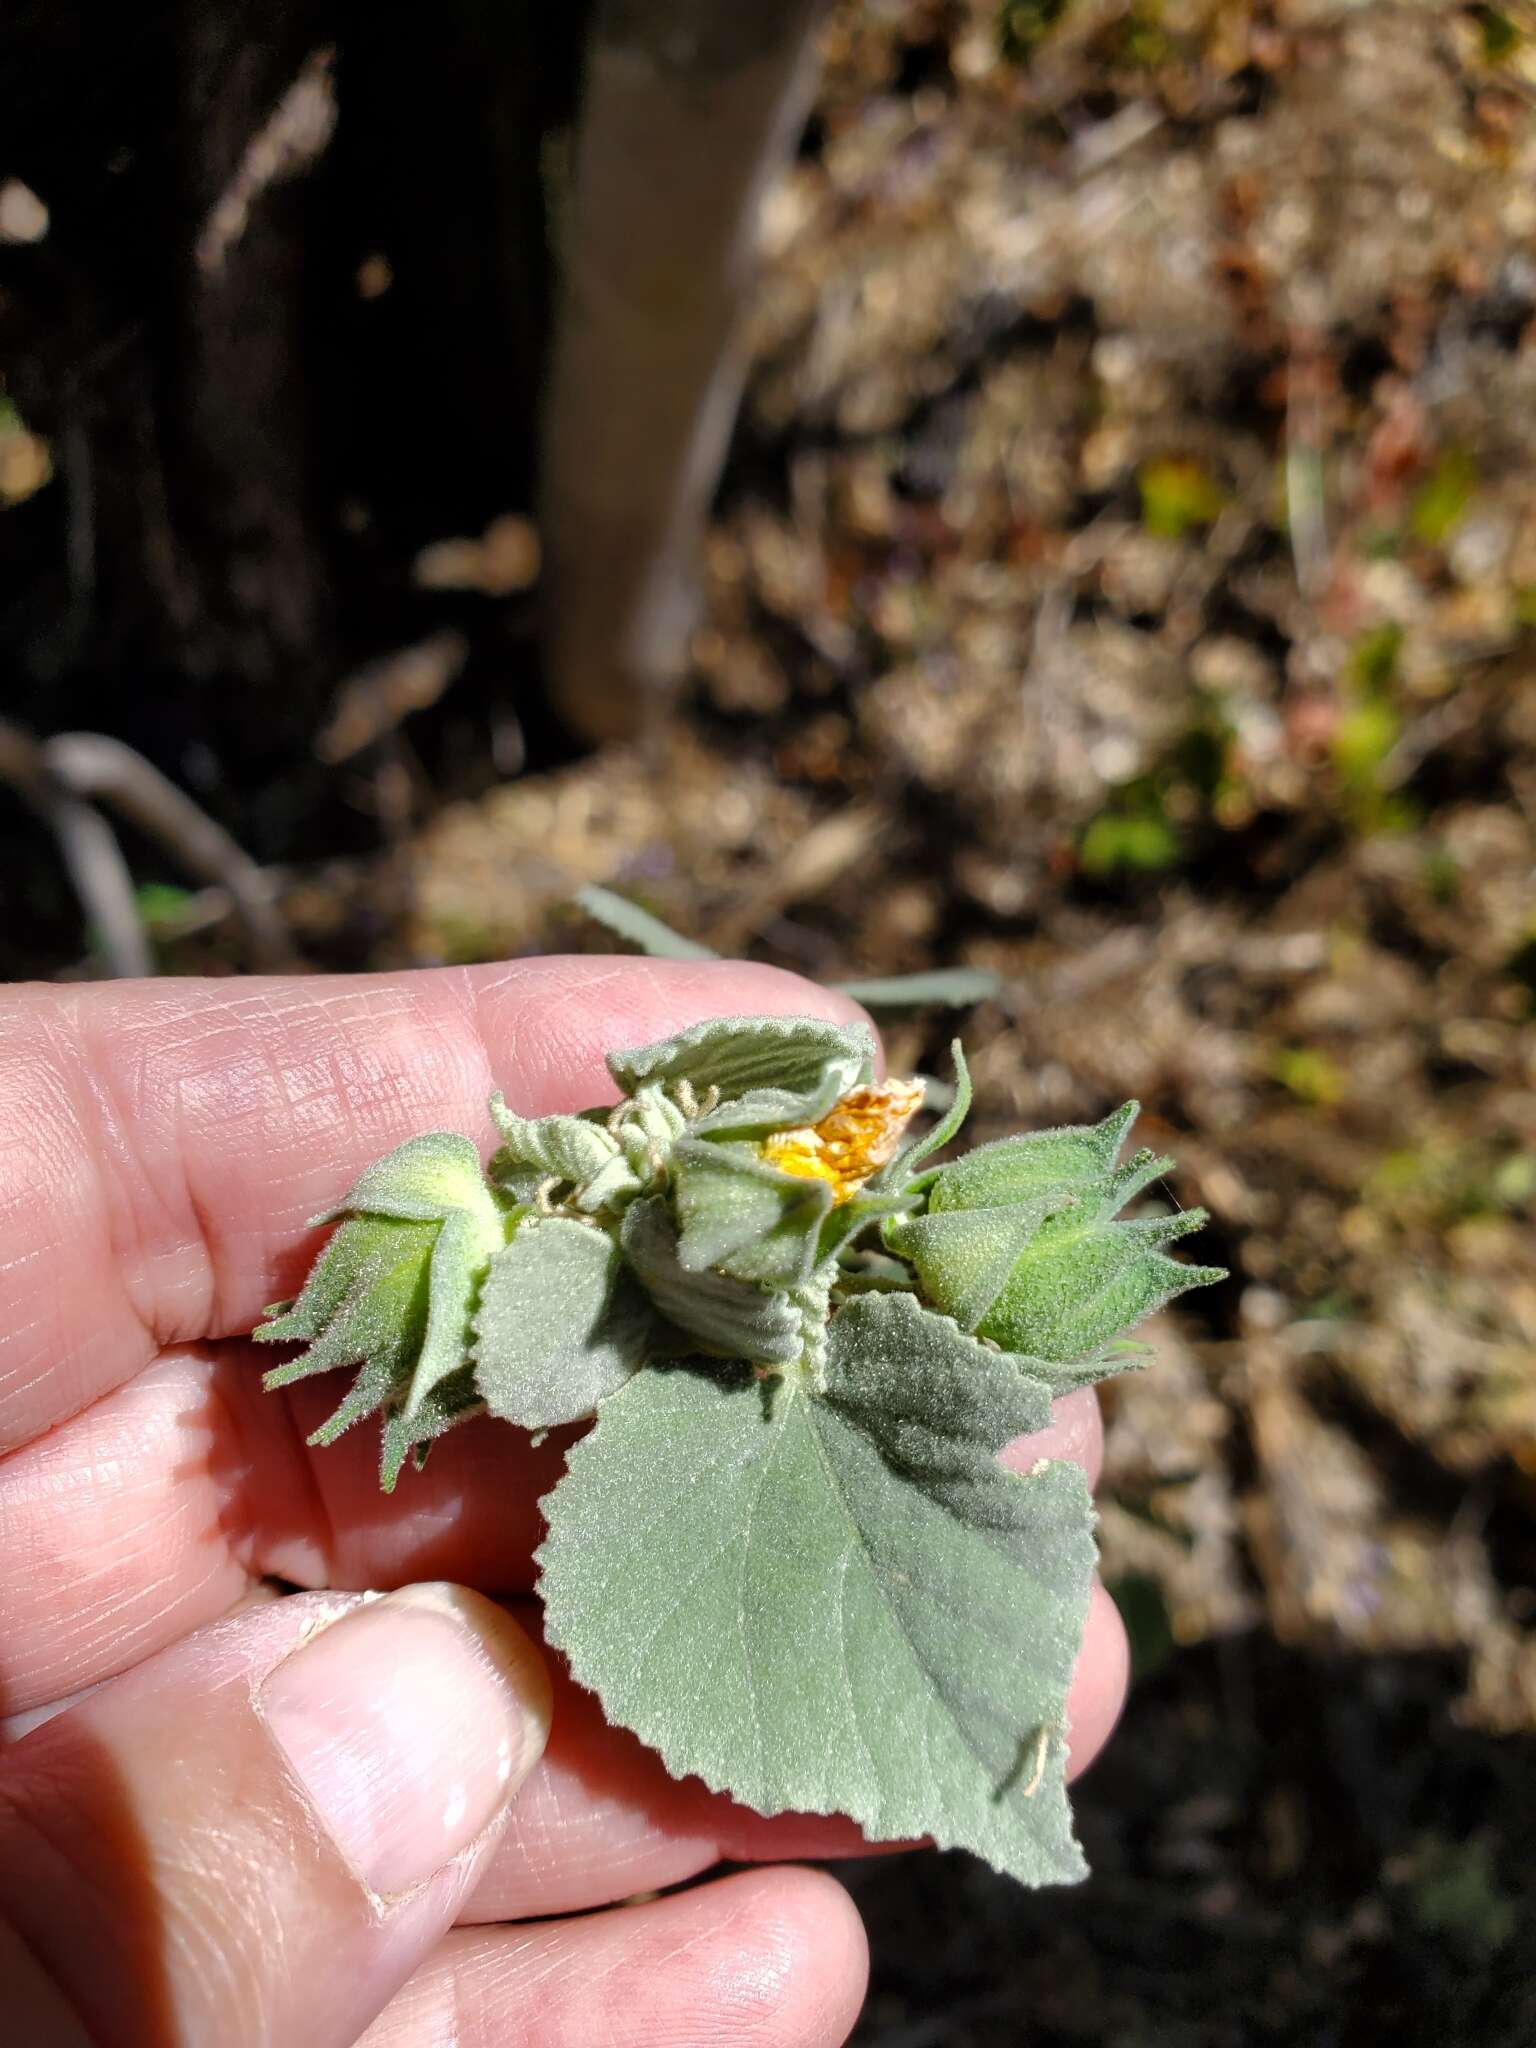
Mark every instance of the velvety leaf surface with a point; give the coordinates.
(771, 1072)
(837, 1602)
(559, 1327)
(964, 1259)
(364, 1304)
(1021, 1243)
(739, 1214)
(421, 1181)
(730, 1316)
(392, 1293)
(565, 1147)
(1082, 1280)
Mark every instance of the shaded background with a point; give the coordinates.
(1124, 578)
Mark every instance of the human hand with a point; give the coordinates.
(316, 1819)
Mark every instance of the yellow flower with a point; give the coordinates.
(853, 1140)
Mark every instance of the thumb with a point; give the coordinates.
(254, 1838)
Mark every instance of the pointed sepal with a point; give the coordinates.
(393, 1293)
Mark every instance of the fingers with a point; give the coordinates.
(166, 1143)
(766, 1959)
(1099, 1682)
(258, 1836)
(1076, 1434)
(149, 1514)
(600, 1819)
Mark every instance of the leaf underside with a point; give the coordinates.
(837, 1602)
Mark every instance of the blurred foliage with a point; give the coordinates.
(1133, 834)
(1440, 504)
(1127, 572)
(1022, 25)
(1177, 495)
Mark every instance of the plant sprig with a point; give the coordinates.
(786, 1554)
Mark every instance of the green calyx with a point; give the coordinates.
(786, 1555)
(1023, 1244)
(394, 1294)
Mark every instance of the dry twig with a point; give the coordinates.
(60, 777)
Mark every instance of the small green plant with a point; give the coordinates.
(1023, 25)
(786, 1554)
(1178, 494)
(1310, 1074)
(1440, 504)
(1133, 834)
(1499, 37)
(1369, 728)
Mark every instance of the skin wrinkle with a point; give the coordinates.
(757, 1952)
(120, 1081)
(416, 1056)
(290, 1075)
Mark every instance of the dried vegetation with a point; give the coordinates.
(1129, 561)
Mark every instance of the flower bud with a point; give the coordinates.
(1021, 1244)
(392, 1294)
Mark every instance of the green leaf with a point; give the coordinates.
(1021, 1245)
(1083, 1280)
(561, 1147)
(901, 1168)
(772, 1073)
(954, 987)
(560, 1326)
(839, 1603)
(728, 1316)
(639, 927)
(364, 1303)
(964, 1260)
(744, 1217)
(422, 1181)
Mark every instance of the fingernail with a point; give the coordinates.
(410, 1723)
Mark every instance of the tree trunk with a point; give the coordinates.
(689, 109)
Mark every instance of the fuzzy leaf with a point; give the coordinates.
(560, 1326)
(368, 1302)
(772, 1073)
(1021, 1245)
(1083, 1280)
(364, 1303)
(421, 1181)
(728, 1316)
(450, 1402)
(562, 1147)
(964, 1259)
(954, 987)
(744, 1217)
(901, 1169)
(839, 1603)
(639, 926)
